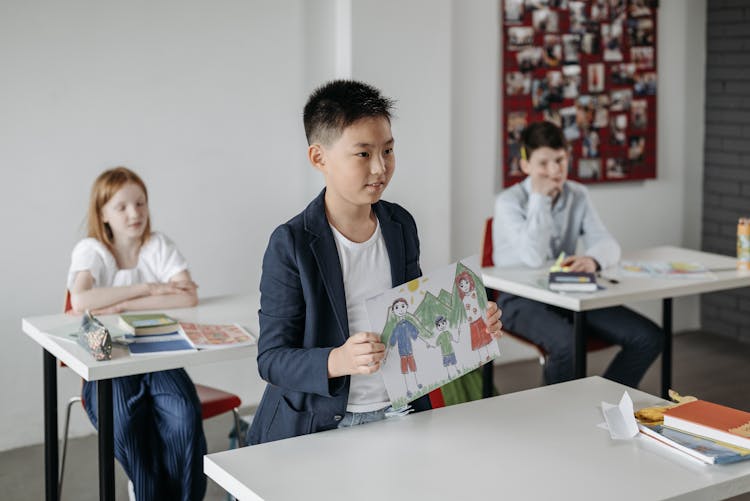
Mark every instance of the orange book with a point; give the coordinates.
(712, 421)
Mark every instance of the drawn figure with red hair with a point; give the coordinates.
(474, 304)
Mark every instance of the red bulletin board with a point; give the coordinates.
(590, 67)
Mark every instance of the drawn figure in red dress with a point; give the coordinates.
(480, 338)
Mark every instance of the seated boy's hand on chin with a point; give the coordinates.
(580, 263)
(494, 325)
(361, 354)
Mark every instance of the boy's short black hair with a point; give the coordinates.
(337, 104)
(539, 134)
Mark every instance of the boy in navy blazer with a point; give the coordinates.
(314, 349)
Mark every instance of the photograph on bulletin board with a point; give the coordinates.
(589, 67)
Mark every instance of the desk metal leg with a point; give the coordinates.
(487, 379)
(666, 355)
(106, 440)
(49, 366)
(579, 359)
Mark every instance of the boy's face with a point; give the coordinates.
(358, 165)
(548, 170)
(441, 325)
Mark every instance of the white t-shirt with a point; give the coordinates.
(366, 269)
(158, 261)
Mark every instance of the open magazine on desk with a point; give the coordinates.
(665, 269)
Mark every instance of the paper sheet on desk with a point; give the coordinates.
(620, 419)
(69, 331)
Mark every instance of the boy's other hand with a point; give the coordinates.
(362, 353)
(580, 263)
(494, 325)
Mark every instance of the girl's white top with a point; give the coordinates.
(158, 261)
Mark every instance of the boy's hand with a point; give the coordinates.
(545, 185)
(362, 353)
(580, 263)
(494, 325)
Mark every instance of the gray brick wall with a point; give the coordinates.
(726, 182)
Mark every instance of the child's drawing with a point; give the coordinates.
(432, 336)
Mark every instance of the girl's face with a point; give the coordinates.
(126, 212)
(463, 284)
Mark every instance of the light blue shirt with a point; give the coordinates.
(529, 230)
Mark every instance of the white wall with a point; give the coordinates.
(205, 102)
(404, 49)
(202, 99)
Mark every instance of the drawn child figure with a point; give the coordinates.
(480, 337)
(404, 332)
(445, 341)
(124, 266)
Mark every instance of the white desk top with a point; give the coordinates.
(531, 283)
(241, 309)
(537, 444)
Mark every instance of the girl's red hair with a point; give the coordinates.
(465, 275)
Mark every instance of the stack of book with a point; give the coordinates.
(572, 281)
(709, 432)
(153, 334)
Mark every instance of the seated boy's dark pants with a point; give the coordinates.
(551, 328)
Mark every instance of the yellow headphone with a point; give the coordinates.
(523, 153)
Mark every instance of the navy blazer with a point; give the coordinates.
(303, 316)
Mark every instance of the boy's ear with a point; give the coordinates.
(525, 166)
(316, 156)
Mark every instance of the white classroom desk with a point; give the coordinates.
(541, 444)
(531, 284)
(241, 309)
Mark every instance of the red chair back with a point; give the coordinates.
(487, 244)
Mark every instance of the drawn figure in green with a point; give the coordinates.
(445, 341)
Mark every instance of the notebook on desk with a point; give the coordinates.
(158, 344)
(572, 281)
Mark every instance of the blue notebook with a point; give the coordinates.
(159, 344)
(704, 449)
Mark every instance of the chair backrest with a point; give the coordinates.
(487, 244)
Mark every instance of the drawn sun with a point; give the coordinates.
(413, 287)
